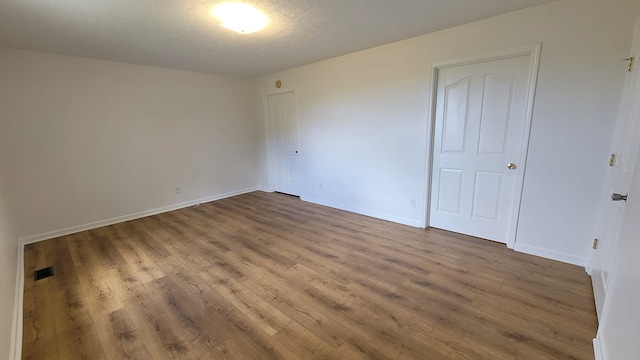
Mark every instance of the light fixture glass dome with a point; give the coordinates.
(239, 17)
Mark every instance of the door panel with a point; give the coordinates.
(481, 117)
(618, 321)
(488, 189)
(494, 121)
(455, 117)
(451, 184)
(284, 134)
(625, 146)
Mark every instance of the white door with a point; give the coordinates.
(480, 139)
(625, 149)
(618, 324)
(283, 124)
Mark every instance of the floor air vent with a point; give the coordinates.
(43, 273)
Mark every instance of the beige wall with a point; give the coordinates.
(364, 119)
(8, 267)
(83, 141)
(86, 140)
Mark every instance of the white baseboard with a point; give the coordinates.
(74, 229)
(15, 352)
(265, 189)
(551, 254)
(375, 214)
(598, 349)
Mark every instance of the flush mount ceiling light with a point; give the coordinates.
(239, 17)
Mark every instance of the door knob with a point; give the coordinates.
(512, 166)
(618, 197)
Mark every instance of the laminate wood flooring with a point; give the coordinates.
(267, 276)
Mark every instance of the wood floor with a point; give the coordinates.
(267, 276)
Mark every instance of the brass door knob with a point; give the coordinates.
(512, 166)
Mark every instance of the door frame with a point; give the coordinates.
(531, 50)
(628, 110)
(271, 162)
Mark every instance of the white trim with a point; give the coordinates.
(267, 136)
(361, 211)
(425, 205)
(553, 255)
(119, 219)
(533, 51)
(264, 189)
(598, 349)
(15, 352)
(534, 68)
(490, 56)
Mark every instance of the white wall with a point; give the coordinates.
(8, 266)
(85, 140)
(364, 118)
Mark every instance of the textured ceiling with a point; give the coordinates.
(180, 34)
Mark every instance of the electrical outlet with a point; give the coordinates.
(320, 186)
(178, 190)
(413, 202)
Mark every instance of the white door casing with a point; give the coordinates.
(482, 120)
(625, 149)
(283, 142)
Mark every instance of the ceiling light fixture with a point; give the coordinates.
(239, 17)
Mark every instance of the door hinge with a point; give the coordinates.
(612, 160)
(629, 61)
(595, 244)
